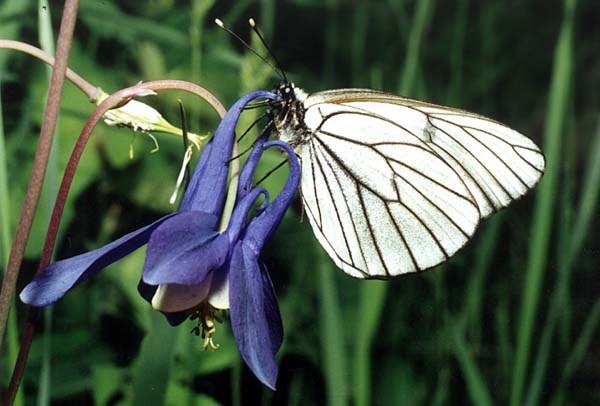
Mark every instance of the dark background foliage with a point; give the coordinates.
(453, 335)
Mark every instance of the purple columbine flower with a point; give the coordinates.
(186, 250)
(254, 313)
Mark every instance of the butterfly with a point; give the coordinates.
(392, 185)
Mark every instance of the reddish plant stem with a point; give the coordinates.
(115, 100)
(90, 90)
(40, 162)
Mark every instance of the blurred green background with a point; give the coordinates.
(511, 319)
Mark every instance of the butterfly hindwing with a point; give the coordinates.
(380, 201)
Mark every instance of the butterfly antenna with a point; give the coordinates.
(249, 48)
(251, 126)
(262, 116)
(269, 50)
(279, 165)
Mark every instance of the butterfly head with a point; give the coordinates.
(289, 120)
(289, 93)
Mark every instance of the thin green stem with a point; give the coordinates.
(372, 299)
(477, 288)
(333, 348)
(46, 38)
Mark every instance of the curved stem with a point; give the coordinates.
(115, 100)
(90, 90)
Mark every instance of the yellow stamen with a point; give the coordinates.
(205, 314)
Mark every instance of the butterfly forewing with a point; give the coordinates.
(496, 163)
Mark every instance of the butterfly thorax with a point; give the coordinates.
(289, 120)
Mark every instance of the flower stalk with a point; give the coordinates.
(141, 117)
(136, 115)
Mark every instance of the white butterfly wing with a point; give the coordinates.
(497, 164)
(380, 201)
(392, 185)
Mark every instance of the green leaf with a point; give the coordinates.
(107, 382)
(153, 364)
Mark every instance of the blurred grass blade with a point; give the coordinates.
(502, 329)
(588, 202)
(419, 26)
(476, 387)
(456, 53)
(359, 41)
(11, 16)
(12, 337)
(5, 232)
(267, 17)
(154, 362)
(331, 38)
(565, 218)
(476, 289)
(107, 17)
(442, 389)
(546, 197)
(197, 16)
(49, 193)
(45, 373)
(333, 348)
(579, 351)
(372, 298)
(236, 381)
(107, 382)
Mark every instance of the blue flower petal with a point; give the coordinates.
(239, 216)
(206, 191)
(262, 226)
(183, 250)
(255, 318)
(56, 280)
(247, 172)
(186, 248)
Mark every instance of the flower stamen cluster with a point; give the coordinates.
(206, 315)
